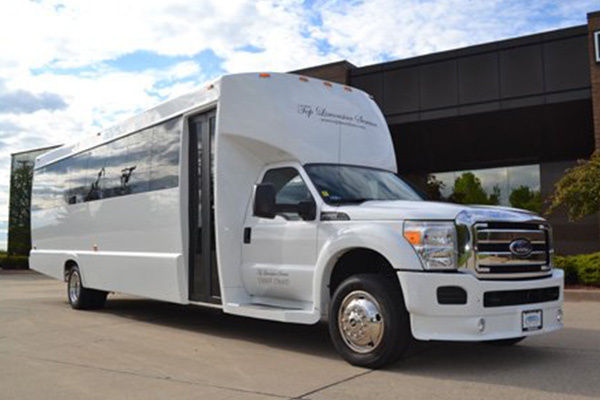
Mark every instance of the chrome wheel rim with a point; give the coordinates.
(360, 322)
(74, 287)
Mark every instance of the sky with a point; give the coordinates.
(73, 67)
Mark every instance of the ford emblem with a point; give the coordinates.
(521, 247)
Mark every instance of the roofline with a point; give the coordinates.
(502, 44)
(319, 66)
(38, 149)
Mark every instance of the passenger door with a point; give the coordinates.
(280, 253)
(203, 273)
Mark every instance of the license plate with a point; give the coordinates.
(532, 320)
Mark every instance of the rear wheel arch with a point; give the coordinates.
(68, 267)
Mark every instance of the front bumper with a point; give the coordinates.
(433, 321)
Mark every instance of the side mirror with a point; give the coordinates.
(264, 201)
(307, 210)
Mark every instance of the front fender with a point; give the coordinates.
(337, 238)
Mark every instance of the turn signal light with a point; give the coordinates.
(413, 237)
(264, 75)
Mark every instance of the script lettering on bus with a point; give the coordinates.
(338, 118)
(272, 278)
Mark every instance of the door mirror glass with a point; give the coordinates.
(264, 201)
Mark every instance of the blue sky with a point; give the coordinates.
(71, 67)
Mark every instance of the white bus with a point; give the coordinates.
(275, 196)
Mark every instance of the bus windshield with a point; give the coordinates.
(346, 184)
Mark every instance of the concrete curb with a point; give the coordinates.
(582, 295)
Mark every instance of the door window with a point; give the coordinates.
(290, 190)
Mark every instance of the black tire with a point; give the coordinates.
(505, 342)
(392, 343)
(80, 297)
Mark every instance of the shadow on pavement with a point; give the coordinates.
(312, 340)
(568, 368)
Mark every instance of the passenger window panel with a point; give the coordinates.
(290, 190)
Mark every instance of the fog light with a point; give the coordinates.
(559, 315)
(481, 325)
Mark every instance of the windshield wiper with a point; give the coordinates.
(350, 201)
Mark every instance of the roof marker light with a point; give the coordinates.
(211, 86)
(264, 75)
(303, 79)
(328, 84)
(347, 89)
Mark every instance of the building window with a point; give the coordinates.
(597, 45)
(507, 186)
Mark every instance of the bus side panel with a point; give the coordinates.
(152, 275)
(130, 244)
(49, 263)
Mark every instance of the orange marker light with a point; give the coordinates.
(303, 79)
(328, 84)
(413, 237)
(347, 89)
(264, 75)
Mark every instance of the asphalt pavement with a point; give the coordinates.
(142, 349)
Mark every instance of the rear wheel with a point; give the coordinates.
(80, 297)
(368, 322)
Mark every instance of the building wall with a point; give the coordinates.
(21, 174)
(524, 101)
(594, 69)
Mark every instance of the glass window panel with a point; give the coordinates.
(508, 186)
(117, 168)
(77, 178)
(290, 189)
(96, 173)
(135, 176)
(164, 172)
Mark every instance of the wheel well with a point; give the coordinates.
(359, 261)
(69, 265)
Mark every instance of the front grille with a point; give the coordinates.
(494, 256)
(519, 297)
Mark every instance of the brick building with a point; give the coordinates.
(515, 113)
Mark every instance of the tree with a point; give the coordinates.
(434, 188)
(468, 190)
(579, 189)
(19, 233)
(525, 198)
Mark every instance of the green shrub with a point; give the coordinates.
(580, 269)
(14, 262)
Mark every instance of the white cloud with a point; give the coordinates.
(65, 48)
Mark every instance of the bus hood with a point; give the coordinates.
(429, 210)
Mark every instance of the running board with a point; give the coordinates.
(272, 313)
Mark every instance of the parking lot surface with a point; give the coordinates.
(143, 349)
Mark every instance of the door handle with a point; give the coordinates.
(247, 235)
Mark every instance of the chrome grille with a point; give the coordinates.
(493, 255)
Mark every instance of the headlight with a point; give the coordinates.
(434, 242)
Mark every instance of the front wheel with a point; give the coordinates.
(368, 322)
(80, 297)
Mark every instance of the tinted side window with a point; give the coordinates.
(96, 174)
(77, 179)
(117, 167)
(44, 194)
(165, 155)
(290, 190)
(135, 176)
